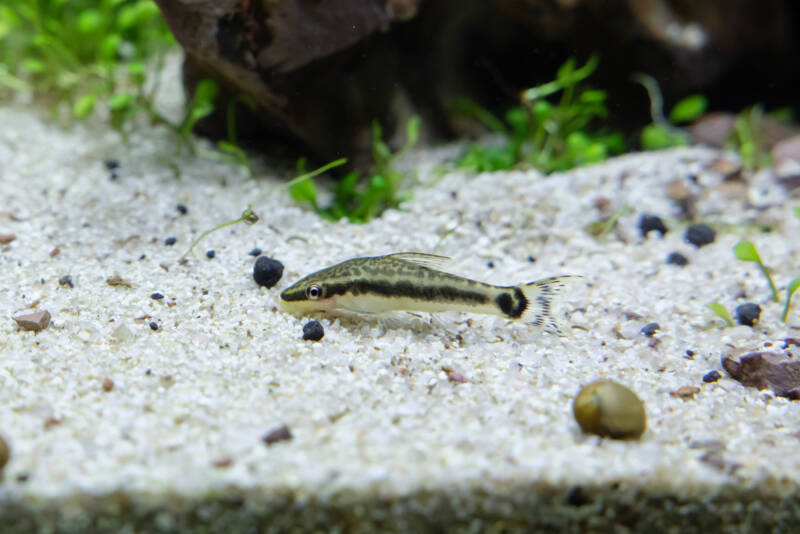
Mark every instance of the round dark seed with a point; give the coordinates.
(676, 258)
(255, 252)
(649, 329)
(153, 325)
(267, 271)
(170, 241)
(313, 331)
(748, 313)
(649, 223)
(711, 376)
(156, 296)
(210, 254)
(111, 164)
(700, 235)
(183, 210)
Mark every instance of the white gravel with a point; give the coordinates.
(371, 411)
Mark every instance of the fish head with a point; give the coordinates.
(311, 294)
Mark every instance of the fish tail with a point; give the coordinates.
(536, 303)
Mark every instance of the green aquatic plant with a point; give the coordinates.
(360, 198)
(746, 251)
(748, 140)
(248, 216)
(720, 311)
(666, 132)
(554, 128)
(603, 227)
(794, 285)
(81, 51)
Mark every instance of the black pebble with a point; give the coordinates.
(700, 235)
(66, 280)
(648, 223)
(183, 210)
(156, 296)
(313, 330)
(711, 376)
(170, 241)
(690, 353)
(748, 313)
(111, 164)
(490, 265)
(676, 258)
(531, 259)
(210, 254)
(153, 325)
(113, 176)
(267, 272)
(649, 329)
(255, 252)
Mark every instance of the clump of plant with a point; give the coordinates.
(666, 132)
(80, 51)
(746, 251)
(553, 129)
(747, 139)
(356, 197)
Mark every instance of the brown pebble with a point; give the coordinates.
(55, 252)
(282, 433)
(5, 239)
(222, 463)
(685, 392)
(778, 371)
(108, 384)
(34, 322)
(5, 453)
(455, 376)
(50, 422)
(117, 280)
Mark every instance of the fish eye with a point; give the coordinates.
(314, 292)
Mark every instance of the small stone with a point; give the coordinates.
(649, 329)
(5, 239)
(711, 376)
(455, 376)
(55, 252)
(313, 331)
(267, 271)
(773, 370)
(700, 235)
(170, 241)
(490, 264)
(685, 392)
(531, 259)
(108, 384)
(153, 326)
(5, 453)
(210, 254)
(282, 433)
(117, 280)
(649, 223)
(113, 176)
(66, 280)
(690, 354)
(748, 313)
(183, 210)
(676, 258)
(677, 190)
(156, 296)
(34, 322)
(255, 252)
(111, 164)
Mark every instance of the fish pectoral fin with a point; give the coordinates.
(432, 261)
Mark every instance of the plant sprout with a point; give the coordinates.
(746, 251)
(793, 286)
(720, 311)
(248, 217)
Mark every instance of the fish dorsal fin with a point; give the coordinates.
(431, 261)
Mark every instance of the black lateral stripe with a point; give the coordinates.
(521, 303)
(424, 292)
(505, 302)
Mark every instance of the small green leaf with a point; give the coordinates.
(33, 65)
(412, 131)
(109, 48)
(593, 97)
(519, 120)
(721, 312)
(304, 191)
(657, 137)
(797, 212)
(89, 20)
(793, 287)
(746, 251)
(84, 106)
(689, 109)
(121, 101)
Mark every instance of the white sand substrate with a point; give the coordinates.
(371, 410)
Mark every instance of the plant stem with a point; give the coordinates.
(248, 217)
(774, 289)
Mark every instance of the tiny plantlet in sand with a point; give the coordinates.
(248, 217)
(720, 311)
(793, 287)
(746, 251)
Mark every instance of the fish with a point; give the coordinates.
(412, 281)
